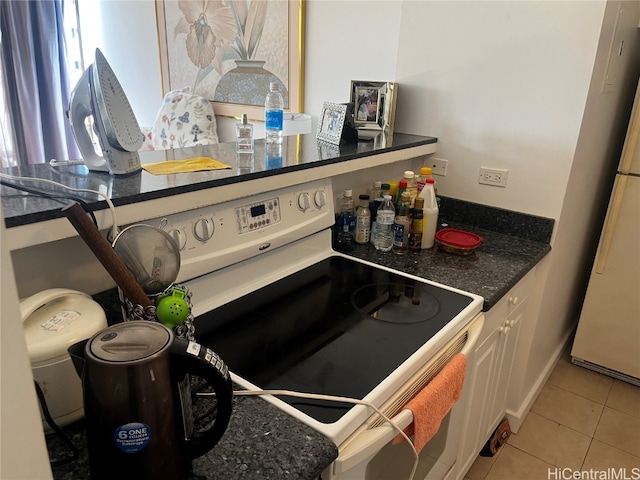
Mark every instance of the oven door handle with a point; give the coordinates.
(367, 443)
(370, 442)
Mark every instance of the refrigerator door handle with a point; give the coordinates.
(610, 223)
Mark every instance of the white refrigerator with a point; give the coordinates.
(608, 335)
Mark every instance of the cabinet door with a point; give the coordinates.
(509, 333)
(480, 398)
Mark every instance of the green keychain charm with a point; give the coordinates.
(172, 309)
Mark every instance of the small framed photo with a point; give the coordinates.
(374, 105)
(331, 122)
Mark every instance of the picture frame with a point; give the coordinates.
(236, 76)
(331, 122)
(374, 105)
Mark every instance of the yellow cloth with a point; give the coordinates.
(196, 164)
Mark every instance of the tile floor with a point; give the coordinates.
(581, 422)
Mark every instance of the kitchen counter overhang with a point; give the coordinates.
(140, 196)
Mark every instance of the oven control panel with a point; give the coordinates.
(258, 215)
(221, 235)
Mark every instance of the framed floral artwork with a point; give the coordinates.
(230, 51)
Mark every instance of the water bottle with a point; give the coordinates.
(346, 221)
(374, 204)
(274, 114)
(402, 225)
(384, 229)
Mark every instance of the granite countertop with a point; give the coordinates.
(513, 244)
(300, 152)
(491, 271)
(261, 443)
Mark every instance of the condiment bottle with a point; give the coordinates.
(415, 236)
(363, 220)
(376, 191)
(430, 220)
(425, 172)
(393, 191)
(409, 176)
(402, 187)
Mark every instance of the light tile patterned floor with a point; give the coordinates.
(581, 422)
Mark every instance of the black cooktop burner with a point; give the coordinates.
(338, 327)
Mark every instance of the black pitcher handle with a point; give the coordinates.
(193, 358)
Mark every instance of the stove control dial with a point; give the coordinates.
(320, 198)
(203, 229)
(303, 201)
(179, 237)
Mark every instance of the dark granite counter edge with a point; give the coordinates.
(261, 443)
(53, 213)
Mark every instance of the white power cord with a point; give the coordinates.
(331, 398)
(114, 228)
(62, 163)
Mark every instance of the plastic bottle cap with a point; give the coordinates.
(377, 184)
(408, 174)
(273, 86)
(424, 171)
(363, 196)
(348, 193)
(385, 186)
(387, 197)
(430, 180)
(403, 183)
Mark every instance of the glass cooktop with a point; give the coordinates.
(338, 327)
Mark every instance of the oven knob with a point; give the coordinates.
(320, 198)
(179, 237)
(303, 201)
(203, 229)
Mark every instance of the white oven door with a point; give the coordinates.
(369, 453)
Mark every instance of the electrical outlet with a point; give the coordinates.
(438, 166)
(493, 176)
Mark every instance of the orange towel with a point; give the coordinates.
(435, 400)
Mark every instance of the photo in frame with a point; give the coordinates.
(331, 122)
(374, 105)
(231, 59)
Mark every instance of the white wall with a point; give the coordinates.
(501, 84)
(126, 33)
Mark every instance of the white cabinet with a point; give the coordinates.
(491, 372)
